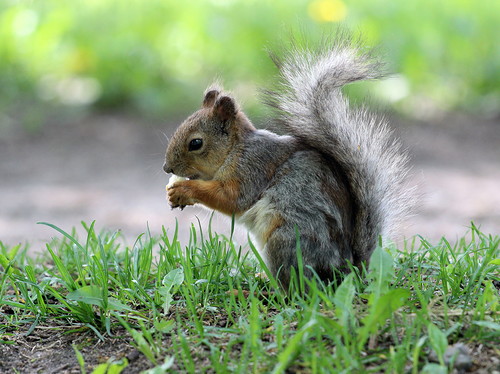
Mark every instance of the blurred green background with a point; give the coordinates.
(155, 57)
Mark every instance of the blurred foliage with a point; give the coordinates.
(157, 56)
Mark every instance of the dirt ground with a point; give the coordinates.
(50, 351)
(108, 168)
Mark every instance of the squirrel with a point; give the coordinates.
(335, 175)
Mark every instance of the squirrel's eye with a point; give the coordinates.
(195, 144)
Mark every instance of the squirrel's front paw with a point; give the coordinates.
(179, 195)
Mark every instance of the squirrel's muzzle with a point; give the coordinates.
(167, 169)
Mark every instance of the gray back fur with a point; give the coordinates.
(312, 108)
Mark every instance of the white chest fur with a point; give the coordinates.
(258, 220)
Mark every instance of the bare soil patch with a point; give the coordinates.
(49, 349)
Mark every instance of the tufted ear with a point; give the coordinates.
(210, 97)
(225, 108)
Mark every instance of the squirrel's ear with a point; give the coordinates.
(210, 97)
(225, 108)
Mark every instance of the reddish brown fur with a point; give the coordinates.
(275, 223)
(214, 194)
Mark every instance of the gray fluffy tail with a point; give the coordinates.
(312, 108)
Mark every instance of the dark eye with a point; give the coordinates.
(195, 144)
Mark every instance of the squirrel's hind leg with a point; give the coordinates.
(318, 261)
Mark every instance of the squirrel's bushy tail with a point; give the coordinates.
(312, 108)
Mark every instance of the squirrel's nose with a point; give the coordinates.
(167, 169)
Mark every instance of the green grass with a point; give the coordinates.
(204, 303)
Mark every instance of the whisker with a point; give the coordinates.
(163, 137)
